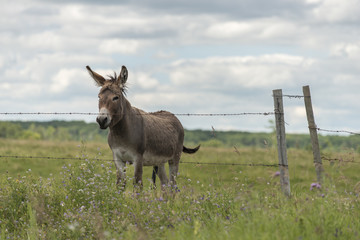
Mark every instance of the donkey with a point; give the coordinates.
(138, 137)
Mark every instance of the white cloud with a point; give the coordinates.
(216, 73)
(230, 29)
(347, 80)
(144, 81)
(63, 79)
(337, 11)
(165, 55)
(124, 46)
(349, 50)
(41, 41)
(255, 29)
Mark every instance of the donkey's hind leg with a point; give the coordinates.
(162, 174)
(154, 173)
(173, 171)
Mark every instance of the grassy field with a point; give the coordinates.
(78, 199)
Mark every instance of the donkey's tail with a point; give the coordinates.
(190, 150)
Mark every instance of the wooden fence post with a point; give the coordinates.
(313, 133)
(281, 141)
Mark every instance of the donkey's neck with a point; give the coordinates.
(130, 120)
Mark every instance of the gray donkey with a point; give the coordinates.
(138, 137)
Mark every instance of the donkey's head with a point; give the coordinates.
(111, 97)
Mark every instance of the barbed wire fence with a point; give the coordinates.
(313, 130)
(176, 114)
(280, 132)
(281, 165)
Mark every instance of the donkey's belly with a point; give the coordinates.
(150, 159)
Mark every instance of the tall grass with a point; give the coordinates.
(80, 200)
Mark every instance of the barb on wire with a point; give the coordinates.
(99, 159)
(293, 96)
(335, 131)
(177, 114)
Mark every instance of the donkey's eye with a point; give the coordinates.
(115, 98)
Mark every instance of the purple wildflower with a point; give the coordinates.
(315, 185)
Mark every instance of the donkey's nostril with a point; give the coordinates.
(103, 122)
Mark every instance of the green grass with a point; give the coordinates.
(72, 199)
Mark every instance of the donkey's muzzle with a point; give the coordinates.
(103, 118)
(102, 121)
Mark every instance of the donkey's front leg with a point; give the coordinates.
(138, 172)
(121, 173)
(120, 169)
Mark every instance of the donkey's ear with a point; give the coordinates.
(100, 80)
(123, 75)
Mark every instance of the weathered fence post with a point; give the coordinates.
(281, 141)
(313, 133)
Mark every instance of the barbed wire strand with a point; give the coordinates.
(237, 164)
(320, 129)
(181, 114)
(177, 114)
(108, 160)
(336, 131)
(325, 158)
(294, 96)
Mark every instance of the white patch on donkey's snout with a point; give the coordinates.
(104, 117)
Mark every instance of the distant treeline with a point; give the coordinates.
(53, 130)
(82, 131)
(266, 140)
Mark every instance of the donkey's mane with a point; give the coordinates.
(112, 80)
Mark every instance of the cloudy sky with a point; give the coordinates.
(186, 57)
